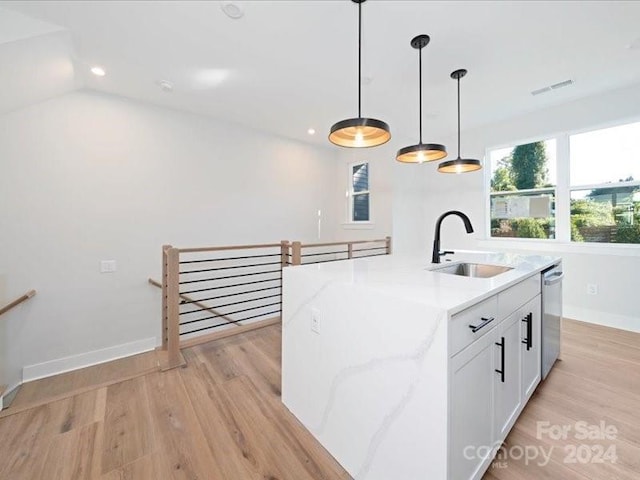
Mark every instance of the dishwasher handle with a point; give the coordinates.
(554, 278)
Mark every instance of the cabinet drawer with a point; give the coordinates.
(514, 297)
(461, 332)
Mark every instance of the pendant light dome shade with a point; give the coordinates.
(359, 132)
(422, 152)
(459, 165)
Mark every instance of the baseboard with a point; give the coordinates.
(6, 391)
(606, 319)
(82, 360)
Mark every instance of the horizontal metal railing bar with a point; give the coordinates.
(371, 255)
(325, 261)
(229, 313)
(184, 282)
(185, 302)
(229, 258)
(223, 324)
(230, 247)
(342, 259)
(229, 268)
(229, 304)
(342, 252)
(229, 286)
(329, 244)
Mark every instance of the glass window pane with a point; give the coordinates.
(605, 156)
(360, 177)
(361, 207)
(606, 215)
(523, 167)
(524, 215)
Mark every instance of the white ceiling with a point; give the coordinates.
(286, 66)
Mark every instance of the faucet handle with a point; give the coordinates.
(446, 252)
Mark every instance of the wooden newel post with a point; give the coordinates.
(387, 244)
(296, 253)
(284, 253)
(173, 307)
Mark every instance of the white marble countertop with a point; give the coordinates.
(410, 277)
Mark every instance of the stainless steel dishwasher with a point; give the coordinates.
(551, 316)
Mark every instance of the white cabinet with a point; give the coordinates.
(506, 382)
(471, 408)
(531, 322)
(494, 367)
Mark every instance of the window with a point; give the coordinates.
(604, 186)
(594, 197)
(523, 190)
(359, 195)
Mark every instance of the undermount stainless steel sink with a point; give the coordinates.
(477, 270)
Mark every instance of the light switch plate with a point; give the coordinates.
(107, 266)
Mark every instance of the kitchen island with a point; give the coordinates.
(403, 372)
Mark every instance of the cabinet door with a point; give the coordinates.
(531, 355)
(471, 412)
(507, 375)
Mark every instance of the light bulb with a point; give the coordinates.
(421, 157)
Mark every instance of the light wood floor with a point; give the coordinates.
(221, 417)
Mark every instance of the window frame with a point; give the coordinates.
(563, 189)
(350, 194)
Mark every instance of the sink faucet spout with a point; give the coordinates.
(436, 254)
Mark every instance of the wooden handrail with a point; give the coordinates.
(17, 301)
(200, 304)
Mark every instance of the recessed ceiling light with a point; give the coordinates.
(165, 85)
(311, 131)
(98, 71)
(232, 10)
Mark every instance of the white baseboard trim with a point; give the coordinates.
(601, 318)
(8, 391)
(82, 360)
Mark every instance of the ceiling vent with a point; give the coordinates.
(555, 86)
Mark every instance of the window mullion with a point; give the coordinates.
(563, 191)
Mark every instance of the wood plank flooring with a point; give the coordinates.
(221, 418)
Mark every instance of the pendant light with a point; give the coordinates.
(360, 132)
(459, 165)
(422, 152)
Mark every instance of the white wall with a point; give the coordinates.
(421, 195)
(87, 177)
(381, 160)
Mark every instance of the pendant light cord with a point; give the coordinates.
(359, 60)
(458, 117)
(420, 90)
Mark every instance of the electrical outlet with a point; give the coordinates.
(592, 289)
(315, 320)
(107, 266)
